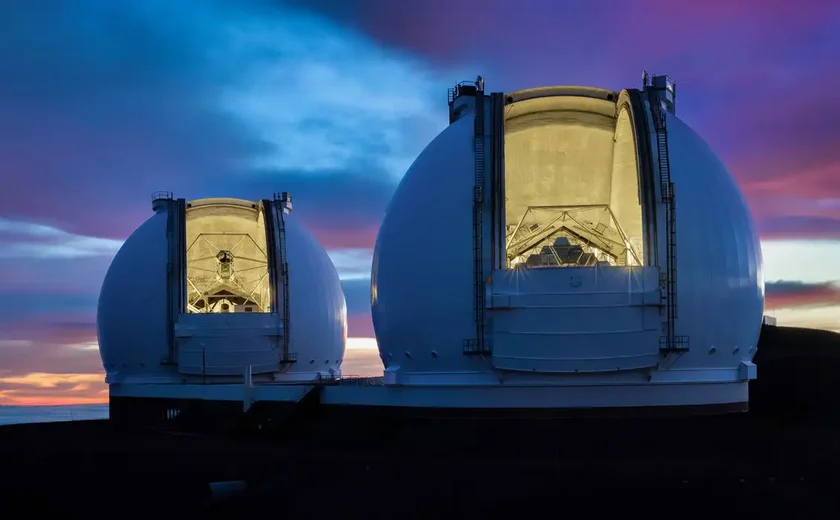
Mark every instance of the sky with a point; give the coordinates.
(103, 102)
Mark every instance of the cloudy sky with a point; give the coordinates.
(103, 102)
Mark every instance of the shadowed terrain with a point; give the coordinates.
(779, 458)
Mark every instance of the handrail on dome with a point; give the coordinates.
(162, 195)
(465, 88)
(665, 88)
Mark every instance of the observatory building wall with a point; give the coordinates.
(132, 335)
(720, 274)
(421, 280)
(318, 309)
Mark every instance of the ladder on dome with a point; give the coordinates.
(171, 223)
(670, 342)
(478, 346)
(284, 280)
(175, 267)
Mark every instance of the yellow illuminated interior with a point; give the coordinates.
(571, 184)
(227, 265)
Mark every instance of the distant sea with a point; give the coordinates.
(38, 414)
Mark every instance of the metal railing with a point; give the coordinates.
(162, 195)
(349, 380)
(463, 88)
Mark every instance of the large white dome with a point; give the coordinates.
(587, 157)
(197, 291)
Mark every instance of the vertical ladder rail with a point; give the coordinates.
(670, 342)
(284, 279)
(170, 281)
(478, 223)
(278, 270)
(175, 270)
(478, 344)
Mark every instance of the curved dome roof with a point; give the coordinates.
(229, 294)
(586, 157)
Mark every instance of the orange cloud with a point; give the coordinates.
(52, 388)
(44, 388)
(786, 295)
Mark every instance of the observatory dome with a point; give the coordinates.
(212, 288)
(567, 232)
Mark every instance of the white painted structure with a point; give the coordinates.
(458, 303)
(559, 247)
(208, 290)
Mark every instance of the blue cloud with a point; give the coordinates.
(352, 264)
(114, 100)
(28, 306)
(357, 294)
(37, 241)
(336, 204)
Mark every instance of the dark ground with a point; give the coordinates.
(777, 461)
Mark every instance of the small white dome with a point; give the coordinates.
(198, 292)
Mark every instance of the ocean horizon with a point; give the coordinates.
(12, 414)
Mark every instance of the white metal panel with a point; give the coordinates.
(422, 277)
(318, 312)
(226, 343)
(720, 292)
(522, 397)
(576, 319)
(534, 397)
(132, 324)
